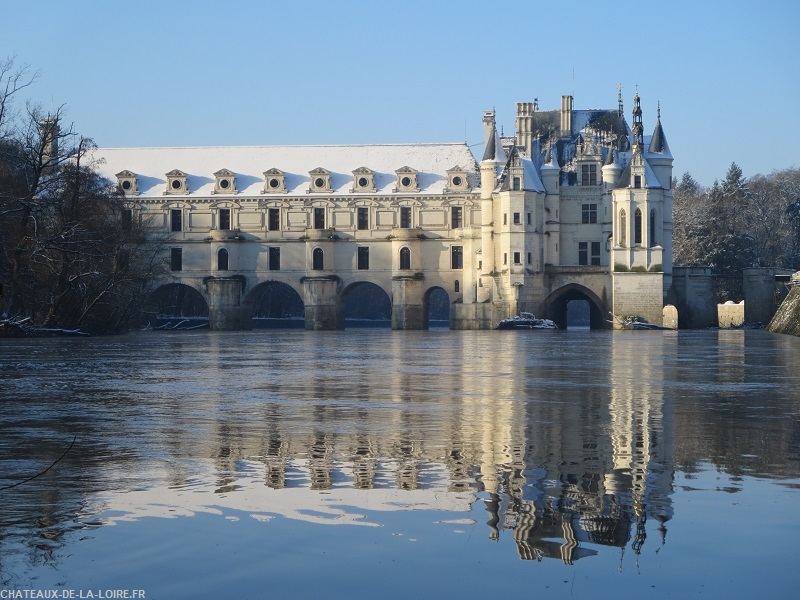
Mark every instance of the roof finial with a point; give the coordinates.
(659, 110)
(619, 99)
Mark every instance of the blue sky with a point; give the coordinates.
(175, 73)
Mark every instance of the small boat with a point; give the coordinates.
(526, 320)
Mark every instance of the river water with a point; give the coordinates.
(372, 463)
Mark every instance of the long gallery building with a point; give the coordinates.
(577, 205)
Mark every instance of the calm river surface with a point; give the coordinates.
(371, 463)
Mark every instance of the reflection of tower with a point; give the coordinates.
(641, 433)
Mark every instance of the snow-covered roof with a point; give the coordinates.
(431, 161)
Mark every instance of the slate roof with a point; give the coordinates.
(431, 161)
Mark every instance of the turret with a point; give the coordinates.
(611, 170)
(659, 156)
(550, 172)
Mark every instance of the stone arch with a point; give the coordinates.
(173, 302)
(555, 306)
(436, 307)
(366, 303)
(273, 304)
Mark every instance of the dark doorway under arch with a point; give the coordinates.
(437, 308)
(175, 305)
(273, 305)
(366, 304)
(557, 307)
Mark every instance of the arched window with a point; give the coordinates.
(637, 227)
(405, 259)
(222, 260)
(457, 287)
(623, 228)
(317, 259)
(652, 240)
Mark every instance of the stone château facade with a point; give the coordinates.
(576, 206)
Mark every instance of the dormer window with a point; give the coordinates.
(176, 182)
(406, 180)
(126, 180)
(225, 182)
(589, 174)
(456, 180)
(363, 180)
(320, 180)
(274, 182)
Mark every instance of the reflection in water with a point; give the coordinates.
(567, 441)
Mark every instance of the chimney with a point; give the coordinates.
(566, 116)
(525, 125)
(49, 131)
(488, 126)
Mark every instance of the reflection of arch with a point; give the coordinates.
(436, 307)
(366, 303)
(274, 304)
(222, 260)
(555, 306)
(176, 300)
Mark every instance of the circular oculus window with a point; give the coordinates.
(176, 184)
(126, 185)
(406, 181)
(224, 184)
(362, 182)
(273, 183)
(457, 180)
(319, 182)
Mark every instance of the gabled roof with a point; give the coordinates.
(430, 161)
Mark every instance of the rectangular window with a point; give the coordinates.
(505, 258)
(517, 219)
(595, 253)
(517, 258)
(362, 217)
(176, 259)
(637, 181)
(319, 218)
(505, 219)
(362, 258)
(456, 217)
(583, 253)
(530, 258)
(517, 184)
(588, 174)
(405, 217)
(274, 219)
(225, 218)
(176, 219)
(274, 258)
(127, 219)
(589, 213)
(529, 218)
(456, 257)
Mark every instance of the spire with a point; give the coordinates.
(488, 154)
(658, 143)
(620, 111)
(636, 127)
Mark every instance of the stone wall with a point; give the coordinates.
(639, 295)
(787, 319)
(731, 314)
(693, 288)
(762, 294)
